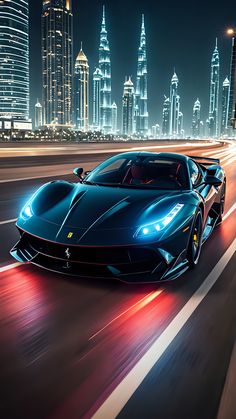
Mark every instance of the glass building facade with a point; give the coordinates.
(105, 67)
(214, 94)
(57, 62)
(141, 94)
(81, 91)
(225, 106)
(128, 108)
(14, 59)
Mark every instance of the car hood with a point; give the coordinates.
(106, 210)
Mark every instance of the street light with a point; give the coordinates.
(230, 31)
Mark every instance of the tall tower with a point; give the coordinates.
(97, 79)
(196, 122)
(81, 92)
(105, 68)
(225, 106)
(14, 60)
(114, 117)
(232, 96)
(174, 106)
(128, 108)
(57, 62)
(214, 94)
(166, 117)
(38, 115)
(141, 98)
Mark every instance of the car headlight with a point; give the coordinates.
(159, 225)
(27, 212)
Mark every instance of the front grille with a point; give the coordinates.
(127, 263)
(94, 255)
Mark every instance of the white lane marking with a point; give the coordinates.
(228, 213)
(9, 267)
(227, 409)
(125, 390)
(8, 221)
(145, 300)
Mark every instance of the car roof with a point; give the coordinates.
(175, 156)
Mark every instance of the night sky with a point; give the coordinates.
(180, 34)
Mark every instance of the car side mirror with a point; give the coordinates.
(213, 181)
(78, 172)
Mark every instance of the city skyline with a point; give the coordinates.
(162, 53)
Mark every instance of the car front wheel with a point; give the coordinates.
(195, 243)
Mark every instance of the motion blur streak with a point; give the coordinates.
(134, 308)
(124, 391)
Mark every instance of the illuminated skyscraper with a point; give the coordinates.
(128, 108)
(38, 115)
(97, 78)
(214, 94)
(141, 98)
(114, 117)
(174, 106)
(225, 106)
(232, 96)
(105, 67)
(14, 59)
(81, 92)
(196, 122)
(166, 117)
(57, 62)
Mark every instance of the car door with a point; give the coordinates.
(207, 192)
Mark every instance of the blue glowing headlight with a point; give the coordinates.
(27, 212)
(159, 225)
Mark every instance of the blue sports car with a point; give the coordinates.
(137, 217)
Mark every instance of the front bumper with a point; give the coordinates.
(134, 263)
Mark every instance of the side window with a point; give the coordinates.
(194, 172)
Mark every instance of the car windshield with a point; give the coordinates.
(140, 172)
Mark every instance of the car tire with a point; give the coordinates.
(195, 242)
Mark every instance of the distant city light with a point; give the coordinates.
(230, 31)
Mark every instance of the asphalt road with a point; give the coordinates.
(80, 348)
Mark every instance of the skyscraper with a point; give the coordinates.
(225, 106)
(81, 92)
(232, 97)
(114, 117)
(166, 117)
(105, 68)
(214, 94)
(180, 125)
(128, 108)
(14, 60)
(97, 78)
(141, 98)
(174, 106)
(196, 122)
(57, 62)
(38, 115)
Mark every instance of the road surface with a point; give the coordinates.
(74, 348)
